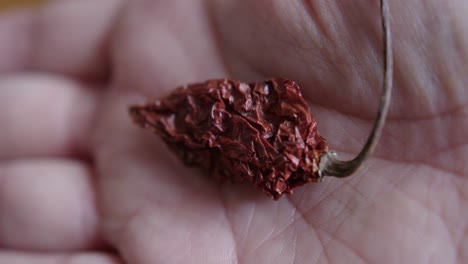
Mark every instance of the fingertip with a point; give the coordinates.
(46, 115)
(66, 37)
(48, 204)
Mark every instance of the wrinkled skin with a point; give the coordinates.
(79, 182)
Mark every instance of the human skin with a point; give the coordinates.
(79, 182)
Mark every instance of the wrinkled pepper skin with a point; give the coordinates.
(262, 133)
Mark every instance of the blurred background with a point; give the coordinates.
(8, 4)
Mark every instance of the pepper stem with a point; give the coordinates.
(329, 164)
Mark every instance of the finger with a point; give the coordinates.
(47, 205)
(63, 36)
(19, 257)
(44, 115)
(155, 51)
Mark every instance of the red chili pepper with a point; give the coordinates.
(262, 133)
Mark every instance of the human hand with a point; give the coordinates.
(78, 180)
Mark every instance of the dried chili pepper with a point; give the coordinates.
(262, 133)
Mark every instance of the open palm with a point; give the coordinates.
(78, 180)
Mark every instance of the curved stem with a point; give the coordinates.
(329, 164)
